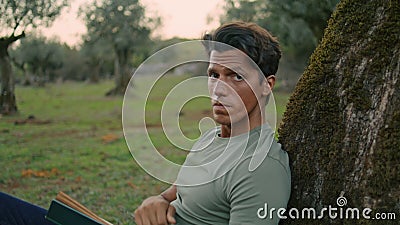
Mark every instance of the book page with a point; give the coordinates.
(67, 200)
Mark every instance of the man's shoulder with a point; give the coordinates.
(278, 154)
(276, 160)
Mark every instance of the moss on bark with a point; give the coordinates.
(342, 124)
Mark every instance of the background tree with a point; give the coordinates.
(124, 25)
(74, 67)
(244, 10)
(16, 17)
(341, 127)
(96, 55)
(39, 59)
(297, 24)
(283, 16)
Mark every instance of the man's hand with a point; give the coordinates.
(155, 210)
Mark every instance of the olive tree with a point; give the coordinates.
(16, 17)
(123, 25)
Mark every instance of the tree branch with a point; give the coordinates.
(14, 38)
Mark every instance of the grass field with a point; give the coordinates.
(74, 143)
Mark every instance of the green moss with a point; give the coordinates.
(324, 126)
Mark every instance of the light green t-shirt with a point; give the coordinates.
(239, 180)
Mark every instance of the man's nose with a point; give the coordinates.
(220, 88)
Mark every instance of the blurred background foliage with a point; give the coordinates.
(120, 36)
(298, 25)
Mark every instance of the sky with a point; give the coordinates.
(181, 18)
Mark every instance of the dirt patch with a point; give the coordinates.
(31, 120)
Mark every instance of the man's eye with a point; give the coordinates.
(213, 75)
(238, 77)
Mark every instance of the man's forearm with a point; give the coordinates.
(169, 194)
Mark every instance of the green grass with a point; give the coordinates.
(80, 148)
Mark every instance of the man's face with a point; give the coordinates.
(235, 88)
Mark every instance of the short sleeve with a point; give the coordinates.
(254, 194)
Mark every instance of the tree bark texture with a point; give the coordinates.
(8, 104)
(342, 123)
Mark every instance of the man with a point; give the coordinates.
(241, 175)
(251, 181)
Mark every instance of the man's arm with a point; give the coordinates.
(170, 193)
(157, 210)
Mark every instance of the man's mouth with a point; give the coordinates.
(219, 105)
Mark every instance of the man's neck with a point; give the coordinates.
(239, 128)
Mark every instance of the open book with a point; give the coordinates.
(64, 210)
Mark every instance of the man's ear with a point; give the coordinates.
(268, 84)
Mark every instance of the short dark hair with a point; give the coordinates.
(253, 40)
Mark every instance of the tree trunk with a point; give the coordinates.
(117, 67)
(95, 73)
(8, 104)
(341, 127)
(122, 72)
(41, 77)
